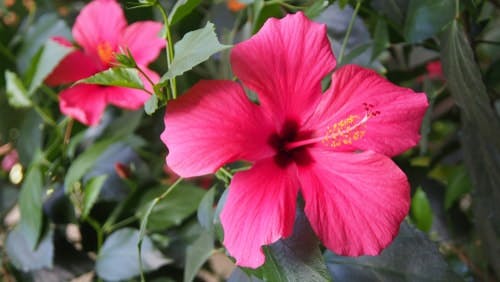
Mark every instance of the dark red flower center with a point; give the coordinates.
(289, 133)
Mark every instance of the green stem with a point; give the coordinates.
(46, 118)
(97, 227)
(119, 209)
(348, 32)
(169, 49)
(226, 172)
(121, 224)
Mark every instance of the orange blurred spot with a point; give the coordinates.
(105, 53)
(235, 5)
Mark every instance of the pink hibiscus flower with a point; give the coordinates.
(334, 148)
(101, 30)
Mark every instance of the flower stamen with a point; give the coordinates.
(105, 53)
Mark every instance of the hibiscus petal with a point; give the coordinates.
(355, 202)
(73, 67)
(98, 22)
(83, 102)
(143, 41)
(129, 98)
(284, 64)
(259, 210)
(212, 124)
(394, 114)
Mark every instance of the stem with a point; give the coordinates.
(348, 33)
(120, 224)
(226, 172)
(46, 118)
(67, 133)
(119, 209)
(147, 78)
(97, 227)
(169, 49)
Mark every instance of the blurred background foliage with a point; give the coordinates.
(75, 201)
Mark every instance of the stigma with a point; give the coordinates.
(105, 53)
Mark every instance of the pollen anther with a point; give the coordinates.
(105, 52)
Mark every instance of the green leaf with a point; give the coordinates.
(297, 258)
(118, 258)
(29, 143)
(194, 48)
(151, 105)
(8, 197)
(421, 210)
(458, 185)
(481, 145)
(91, 193)
(53, 53)
(117, 76)
(30, 204)
(23, 257)
(206, 210)
(410, 257)
(426, 18)
(380, 38)
(316, 8)
(181, 9)
(84, 162)
(45, 27)
(197, 254)
(16, 92)
(172, 210)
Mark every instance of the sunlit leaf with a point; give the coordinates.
(52, 54)
(23, 257)
(30, 203)
(16, 92)
(118, 258)
(194, 48)
(421, 210)
(91, 192)
(117, 76)
(181, 9)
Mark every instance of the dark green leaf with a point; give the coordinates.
(8, 196)
(458, 185)
(206, 210)
(118, 258)
(297, 258)
(380, 38)
(52, 54)
(16, 92)
(421, 210)
(116, 129)
(426, 18)
(197, 254)
(395, 10)
(29, 143)
(23, 257)
(91, 193)
(181, 9)
(84, 162)
(481, 145)
(411, 257)
(194, 48)
(30, 204)
(173, 209)
(117, 76)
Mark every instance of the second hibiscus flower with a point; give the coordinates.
(332, 148)
(101, 30)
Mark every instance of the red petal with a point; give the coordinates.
(98, 22)
(83, 102)
(143, 41)
(284, 64)
(354, 202)
(398, 112)
(73, 67)
(212, 124)
(259, 210)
